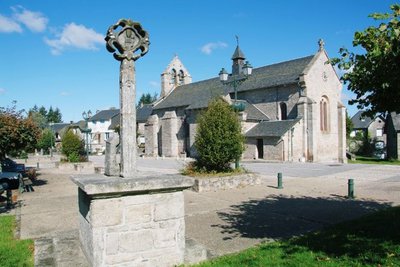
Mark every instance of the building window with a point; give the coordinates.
(324, 114)
(283, 111)
(379, 132)
(107, 136)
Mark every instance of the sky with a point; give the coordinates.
(52, 53)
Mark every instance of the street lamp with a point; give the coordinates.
(235, 81)
(86, 116)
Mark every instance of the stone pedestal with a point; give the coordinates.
(132, 221)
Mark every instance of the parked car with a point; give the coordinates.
(11, 179)
(9, 165)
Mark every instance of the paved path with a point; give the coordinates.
(226, 221)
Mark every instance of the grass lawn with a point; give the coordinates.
(373, 240)
(13, 252)
(371, 160)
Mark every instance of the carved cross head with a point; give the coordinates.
(127, 40)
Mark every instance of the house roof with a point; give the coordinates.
(396, 121)
(142, 114)
(106, 114)
(361, 122)
(197, 95)
(57, 127)
(271, 128)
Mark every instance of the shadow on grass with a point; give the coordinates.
(280, 217)
(370, 239)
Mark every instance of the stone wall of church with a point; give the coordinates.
(322, 81)
(268, 100)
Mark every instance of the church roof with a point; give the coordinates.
(197, 95)
(271, 128)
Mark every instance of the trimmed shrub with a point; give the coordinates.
(219, 140)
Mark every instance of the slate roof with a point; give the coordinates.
(142, 114)
(197, 95)
(360, 122)
(271, 128)
(104, 115)
(58, 127)
(396, 120)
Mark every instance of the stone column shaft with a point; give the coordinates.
(127, 118)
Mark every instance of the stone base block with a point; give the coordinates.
(205, 184)
(80, 167)
(132, 222)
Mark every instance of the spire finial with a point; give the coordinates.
(321, 44)
(237, 40)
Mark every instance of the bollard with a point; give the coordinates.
(350, 193)
(37, 165)
(237, 164)
(280, 180)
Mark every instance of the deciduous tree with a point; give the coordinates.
(374, 74)
(16, 132)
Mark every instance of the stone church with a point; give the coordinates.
(293, 110)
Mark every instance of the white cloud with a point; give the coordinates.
(2, 91)
(154, 84)
(8, 25)
(210, 47)
(64, 93)
(34, 21)
(75, 36)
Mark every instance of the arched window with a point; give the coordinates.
(324, 114)
(283, 110)
(174, 79)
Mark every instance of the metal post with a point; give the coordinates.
(280, 180)
(37, 165)
(350, 193)
(237, 164)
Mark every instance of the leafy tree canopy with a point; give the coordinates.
(16, 132)
(374, 76)
(219, 140)
(42, 116)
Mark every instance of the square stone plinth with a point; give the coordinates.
(132, 221)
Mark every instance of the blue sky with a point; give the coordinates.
(53, 53)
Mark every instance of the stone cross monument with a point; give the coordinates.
(137, 219)
(124, 39)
